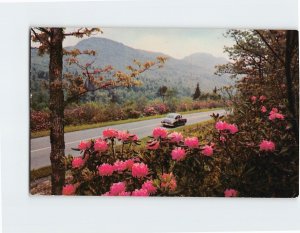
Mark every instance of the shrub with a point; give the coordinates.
(169, 169)
(39, 120)
(150, 111)
(255, 167)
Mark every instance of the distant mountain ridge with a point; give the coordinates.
(204, 60)
(182, 74)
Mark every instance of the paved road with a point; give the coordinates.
(40, 147)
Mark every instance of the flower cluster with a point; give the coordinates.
(191, 142)
(178, 154)
(77, 162)
(160, 132)
(230, 193)
(266, 145)
(223, 126)
(69, 189)
(139, 170)
(100, 145)
(175, 137)
(120, 189)
(262, 98)
(106, 169)
(110, 133)
(274, 114)
(84, 145)
(207, 150)
(149, 186)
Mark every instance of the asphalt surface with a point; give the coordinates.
(40, 147)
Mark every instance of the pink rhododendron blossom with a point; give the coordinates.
(139, 170)
(272, 117)
(263, 109)
(110, 133)
(191, 142)
(280, 116)
(230, 193)
(106, 194)
(275, 115)
(178, 154)
(84, 145)
(105, 169)
(253, 99)
(168, 181)
(77, 162)
(207, 150)
(267, 146)
(69, 189)
(175, 137)
(100, 145)
(232, 128)
(153, 145)
(160, 132)
(262, 98)
(124, 193)
(140, 193)
(133, 137)
(120, 166)
(274, 110)
(123, 135)
(129, 163)
(221, 125)
(117, 188)
(148, 185)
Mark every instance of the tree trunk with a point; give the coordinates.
(291, 39)
(56, 106)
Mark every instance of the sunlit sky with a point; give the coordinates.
(175, 42)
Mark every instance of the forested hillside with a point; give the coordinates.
(179, 75)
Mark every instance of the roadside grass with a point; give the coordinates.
(42, 172)
(73, 128)
(198, 129)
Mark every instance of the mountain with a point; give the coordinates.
(205, 60)
(182, 74)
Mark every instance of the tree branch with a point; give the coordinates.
(39, 38)
(269, 46)
(74, 97)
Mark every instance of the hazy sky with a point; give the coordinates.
(177, 43)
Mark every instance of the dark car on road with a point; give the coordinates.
(173, 120)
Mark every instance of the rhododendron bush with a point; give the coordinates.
(263, 156)
(111, 166)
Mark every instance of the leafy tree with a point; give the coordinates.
(197, 93)
(64, 89)
(267, 54)
(162, 92)
(215, 90)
